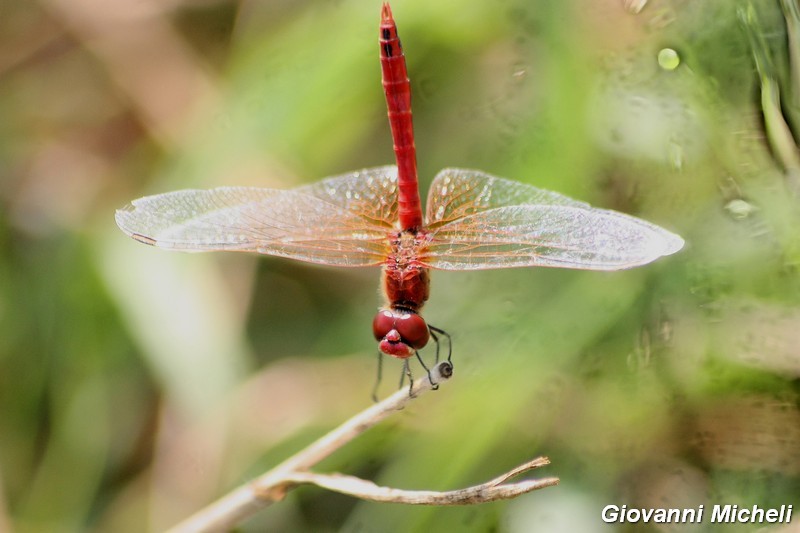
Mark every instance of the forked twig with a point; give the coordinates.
(490, 491)
(273, 486)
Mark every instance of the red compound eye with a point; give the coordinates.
(383, 324)
(413, 330)
(401, 327)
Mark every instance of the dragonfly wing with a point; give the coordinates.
(456, 193)
(497, 223)
(370, 193)
(341, 221)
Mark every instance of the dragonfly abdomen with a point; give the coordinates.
(397, 89)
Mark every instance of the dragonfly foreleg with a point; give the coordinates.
(436, 340)
(435, 386)
(378, 377)
(434, 330)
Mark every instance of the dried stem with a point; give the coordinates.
(490, 491)
(273, 486)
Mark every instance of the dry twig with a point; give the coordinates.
(490, 491)
(273, 485)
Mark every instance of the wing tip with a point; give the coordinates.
(672, 243)
(123, 217)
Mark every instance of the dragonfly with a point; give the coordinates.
(374, 217)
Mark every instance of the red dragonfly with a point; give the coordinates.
(373, 217)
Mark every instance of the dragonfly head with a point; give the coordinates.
(400, 332)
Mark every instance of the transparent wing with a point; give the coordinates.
(342, 220)
(496, 223)
(456, 193)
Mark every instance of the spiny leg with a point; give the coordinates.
(434, 329)
(378, 378)
(434, 385)
(436, 340)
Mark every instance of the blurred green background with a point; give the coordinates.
(137, 385)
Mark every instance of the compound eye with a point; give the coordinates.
(413, 330)
(382, 324)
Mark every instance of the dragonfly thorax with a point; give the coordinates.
(407, 287)
(400, 332)
(406, 247)
(406, 282)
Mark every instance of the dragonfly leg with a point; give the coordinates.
(433, 330)
(435, 386)
(436, 340)
(378, 378)
(407, 372)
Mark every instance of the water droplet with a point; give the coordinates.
(668, 59)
